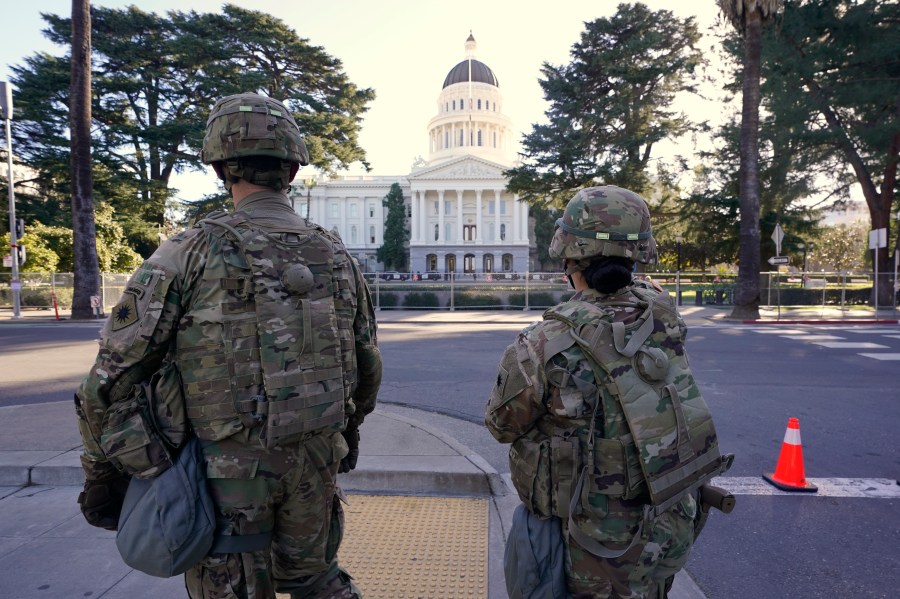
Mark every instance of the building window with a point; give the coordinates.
(437, 208)
(437, 232)
(479, 103)
(507, 262)
(448, 207)
(469, 232)
(448, 227)
(371, 210)
(495, 139)
(446, 107)
(372, 234)
(502, 207)
(353, 235)
(502, 232)
(488, 263)
(495, 107)
(462, 138)
(491, 232)
(492, 207)
(409, 210)
(469, 263)
(446, 139)
(354, 210)
(431, 262)
(454, 104)
(335, 211)
(479, 137)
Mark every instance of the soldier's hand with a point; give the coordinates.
(101, 501)
(349, 462)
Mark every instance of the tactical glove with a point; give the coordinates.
(101, 501)
(349, 462)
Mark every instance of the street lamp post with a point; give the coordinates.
(6, 114)
(678, 269)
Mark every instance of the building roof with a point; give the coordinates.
(481, 73)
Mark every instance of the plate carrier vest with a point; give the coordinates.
(289, 283)
(668, 429)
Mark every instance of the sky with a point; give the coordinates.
(403, 49)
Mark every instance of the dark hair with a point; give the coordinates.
(608, 273)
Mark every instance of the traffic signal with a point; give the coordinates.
(20, 228)
(21, 249)
(6, 106)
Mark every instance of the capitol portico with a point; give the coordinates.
(459, 216)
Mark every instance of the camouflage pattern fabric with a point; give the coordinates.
(543, 399)
(604, 221)
(184, 306)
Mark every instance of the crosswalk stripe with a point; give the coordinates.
(876, 488)
(881, 356)
(850, 345)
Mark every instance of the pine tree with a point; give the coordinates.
(393, 250)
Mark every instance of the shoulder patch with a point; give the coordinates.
(125, 313)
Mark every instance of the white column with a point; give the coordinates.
(479, 234)
(420, 215)
(441, 216)
(523, 214)
(515, 220)
(414, 217)
(497, 216)
(459, 216)
(345, 202)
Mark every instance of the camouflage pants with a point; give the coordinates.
(290, 491)
(646, 571)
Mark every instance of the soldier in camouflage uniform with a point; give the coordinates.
(256, 332)
(608, 430)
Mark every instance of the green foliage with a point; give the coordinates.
(544, 227)
(476, 300)
(610, 105)
(421, 299)
(154, 80)
(392, 252)
(387, 299)
(538, 299)
(841, 248)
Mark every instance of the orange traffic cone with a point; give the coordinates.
(788, 475)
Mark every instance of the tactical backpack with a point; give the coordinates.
(288, 281)
(667, 447)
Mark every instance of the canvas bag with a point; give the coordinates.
(168, 523)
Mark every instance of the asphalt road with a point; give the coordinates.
(798, 546)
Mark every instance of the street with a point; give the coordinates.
(840, 381)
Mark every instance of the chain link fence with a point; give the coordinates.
(505, 290)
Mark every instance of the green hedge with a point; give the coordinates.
(794, 296)
(477, 300)
(538, 299)
(387, 300)
(421, 299)
(41, 297)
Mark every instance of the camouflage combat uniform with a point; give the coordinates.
(189, 306)
(550, 408)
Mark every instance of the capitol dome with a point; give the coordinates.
(470, 119)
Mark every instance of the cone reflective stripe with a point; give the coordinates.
(789, 474)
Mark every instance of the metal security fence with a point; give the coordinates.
(505, 290)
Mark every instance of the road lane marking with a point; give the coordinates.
(882, 356)
(782, 331)
(875, 488)
(850, 345)
(814, 337)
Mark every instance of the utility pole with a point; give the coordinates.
(6, 109)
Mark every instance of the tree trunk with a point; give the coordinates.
(746, 296)
(86, 265)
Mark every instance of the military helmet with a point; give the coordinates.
(252, 125)
(604, 221)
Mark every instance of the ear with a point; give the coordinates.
(220, 172)
(294, 168)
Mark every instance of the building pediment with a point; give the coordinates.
(462, 168)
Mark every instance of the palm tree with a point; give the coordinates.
(748, 17)
(84, 237)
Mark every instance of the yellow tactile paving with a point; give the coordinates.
(417, 547)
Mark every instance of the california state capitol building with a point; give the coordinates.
(459, 217)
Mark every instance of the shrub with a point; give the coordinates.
(477, 301)
(538, 299)
(421, 299)
(387, 300)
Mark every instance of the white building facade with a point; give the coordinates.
(459, 216)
